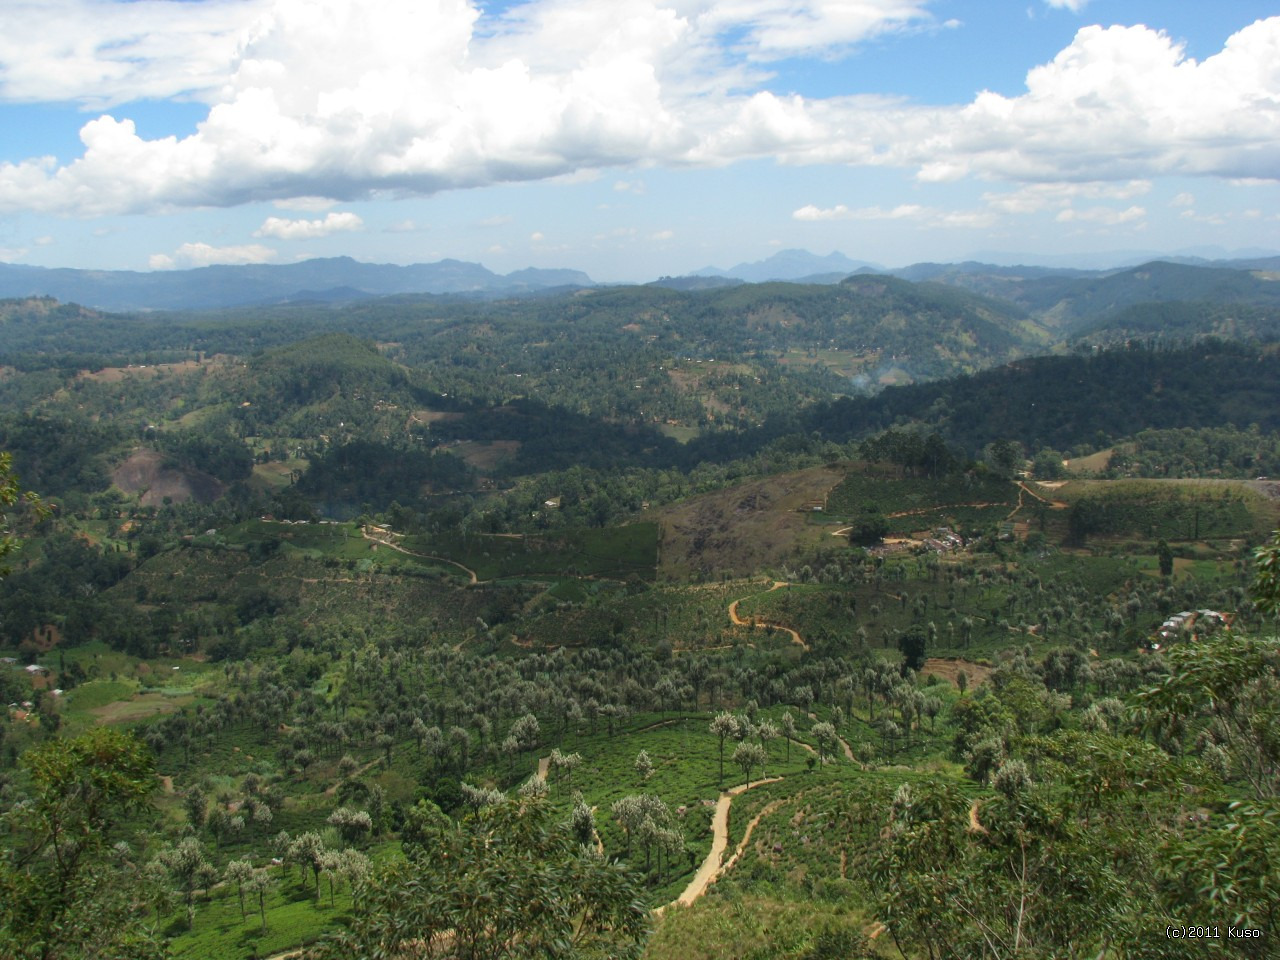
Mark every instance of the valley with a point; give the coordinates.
(666, 589)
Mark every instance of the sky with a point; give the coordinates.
(634, 138)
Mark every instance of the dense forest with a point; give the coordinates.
(859, 620)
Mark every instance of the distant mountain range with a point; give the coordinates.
(1058, 295)
(793, 265)
(323, 280)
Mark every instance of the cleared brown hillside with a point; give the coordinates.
(744, 529)
(144, 472)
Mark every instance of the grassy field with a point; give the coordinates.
(293, 917)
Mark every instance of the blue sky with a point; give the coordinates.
(634, 138)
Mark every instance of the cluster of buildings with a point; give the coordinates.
(1180, 623)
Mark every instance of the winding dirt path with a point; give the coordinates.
(920, 511)
(1053, 504)
(737, 621)
(975, 826)
(425, 556)
(844, 746)
(711, 868)
(360, 772)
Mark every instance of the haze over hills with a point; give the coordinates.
(369, 588)
(607, 520)
(335, 278)
(790, 265)
(343, 279)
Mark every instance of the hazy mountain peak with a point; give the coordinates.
(790, 264)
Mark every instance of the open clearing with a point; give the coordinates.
(118, 374)
(145, 473)
(750, 527)
(139, 707)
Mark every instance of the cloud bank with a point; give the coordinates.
(343, 101)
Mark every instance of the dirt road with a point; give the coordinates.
(711, 867)
(737, 621)
(425, 556)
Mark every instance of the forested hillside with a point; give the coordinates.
(774, 621)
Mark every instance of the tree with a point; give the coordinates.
(1005, 457)
(509, 880)
(1165, 556)
(568, 762)
(724, 725)
(748, 756)
(258, 883)
(197, 805)
(644, 766)
(239, 872)
(912, 644)
(307, 850)
(767, 730)
(1047, 465)
(869, 528)
(582, 820)
(788, 731)
(11, 493)
(62, 892)
(1228, 685)
(828, 740)
(186, 864)
(352, 825)
(1266, 578)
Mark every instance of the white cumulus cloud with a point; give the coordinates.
(904, 211)
(1108, 216)
(1035, 197)
(337, 99)
(283, 229)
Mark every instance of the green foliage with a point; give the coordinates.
(64, 891)
(11, 493)
(1266, 578)
(1208, 451)
(912, 645)
(1224, 691)
(219, 455)
(508, 881)
(362, 471)
(1160, 512)
(869, 528)
(908, 503)
(1038, 401)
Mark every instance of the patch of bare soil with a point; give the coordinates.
(743, 529)
(432, 416)
(950, 668)
(145, 473)
(138, 707)
(46, 637)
